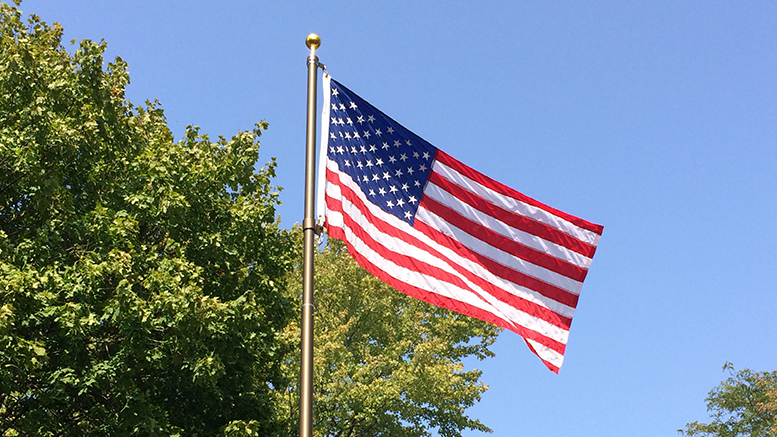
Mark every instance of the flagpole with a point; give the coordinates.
(309, 231)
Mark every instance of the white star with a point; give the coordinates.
(400, 203)
(375, 177)
(393, 189)
(378, 132)
(332, 150)
(341, 133)
(356, 135)
(427, 155)
(422, 167)
(366, 134)
(403, 157)
(362, 149)
(417, 184)
(366, 179)
(360, 120)
(408, 142)
(332, 135)
(335, 92)
(390, 204)
(392, 159)
(408, 215)
(382, 191)
(372, 192)
(353, 149)
(378, 161)
(416, 155)
(398, 173)
(369, 163)
(359, 164)
(386, 175)
(373, 148)
(334, 120)
(397, 143)
(342, 107)
(334, 107)
(405, 187)
(370, 118)
(390, 130)
(412, 199)
(385, 146)
(348, 135)
(349, 121)
(340, 121)
(353, 105)
(347, 163)
(410, 170)
(340, 150)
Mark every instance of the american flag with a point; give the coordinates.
(441, 232)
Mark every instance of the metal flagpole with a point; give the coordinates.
(309, 230)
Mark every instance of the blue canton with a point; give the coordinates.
(390, 163)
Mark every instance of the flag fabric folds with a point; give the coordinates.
(441, 232)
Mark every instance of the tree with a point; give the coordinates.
(745, 404)
(140, 277)
(385, 364)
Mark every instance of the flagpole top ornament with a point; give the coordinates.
(313, 41)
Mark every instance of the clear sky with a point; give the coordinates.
(657, 119)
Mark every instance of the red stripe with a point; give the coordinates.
(507, 191)
(517, 221)
(431, 298)
(528, 307)
(515, 276)
(399, 259)
(499, 241)
(550, 366)
(426, 296)
(413, 291)
(550, 291)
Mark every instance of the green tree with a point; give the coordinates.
(745, 404)
(385, 364)
(141, 278)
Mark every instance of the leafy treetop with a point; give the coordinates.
(385, 363)
(141, 278)
(745, 404)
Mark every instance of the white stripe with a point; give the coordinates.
(322, 154)
(426, 282)
(535, 242)
(497, 255)
(441, 287)
(498, 281)
(473, 267)
(446, 289)
(546, 353)
(512, 204)
(436, 286)
(412, 277)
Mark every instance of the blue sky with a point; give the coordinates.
(656, 119)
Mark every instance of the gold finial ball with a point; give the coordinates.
(313, 41)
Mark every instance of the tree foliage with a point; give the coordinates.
(385, 364)
(140, 277)
(745, 404)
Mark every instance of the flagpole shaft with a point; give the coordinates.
(309, 230)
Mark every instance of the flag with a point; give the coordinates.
(441, 232)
